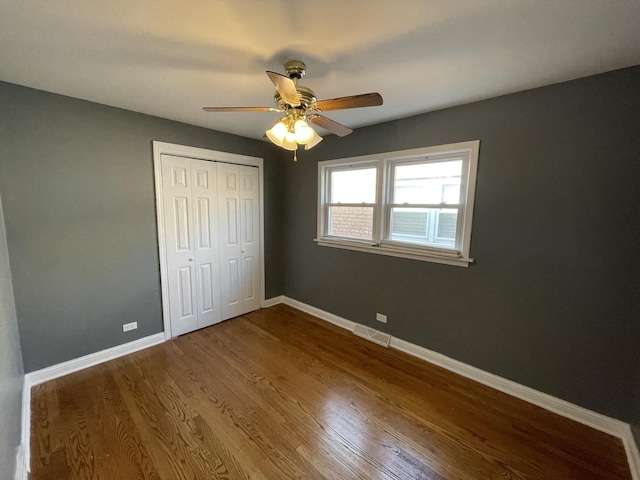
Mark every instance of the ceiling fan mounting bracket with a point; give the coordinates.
(295, 69)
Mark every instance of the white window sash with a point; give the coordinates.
(435, 206)
(439, 206)
(373, 206)
(361, 204)
(405, 246)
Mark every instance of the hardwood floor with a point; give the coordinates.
(277, 394)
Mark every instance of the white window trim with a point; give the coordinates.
(327, 194)
(384, 163)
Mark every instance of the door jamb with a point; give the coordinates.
(162, 148)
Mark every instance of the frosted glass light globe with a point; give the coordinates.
(304, 133)
(289, 141)
(277, 133)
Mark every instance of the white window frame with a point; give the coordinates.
(384, 163)
(327, 194)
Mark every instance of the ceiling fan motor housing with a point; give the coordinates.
(305, 96)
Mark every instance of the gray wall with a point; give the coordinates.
(11, 372)
(78, 191)
(552, 300)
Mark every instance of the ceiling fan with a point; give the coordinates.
(300, 106)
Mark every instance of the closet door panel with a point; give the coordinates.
(230, 249)
(205, 200)
(179, 240)
(250, 236)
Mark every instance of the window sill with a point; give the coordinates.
(394, 252)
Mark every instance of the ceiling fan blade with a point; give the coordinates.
(353, 101)
(328, 124)
(285, 87)
(240, 109)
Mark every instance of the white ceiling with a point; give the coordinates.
(170, 58)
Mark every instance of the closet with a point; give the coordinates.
(211, 239)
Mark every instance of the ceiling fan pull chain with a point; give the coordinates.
(295, 155)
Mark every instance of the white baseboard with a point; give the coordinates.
(21, 472)
(272, 301)
(65, 368)
(26, 427)
(329, 317)
(561, 407)
(633, 454)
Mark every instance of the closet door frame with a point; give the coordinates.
(162, 148)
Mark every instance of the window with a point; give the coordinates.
(415, 203)
(351, 202)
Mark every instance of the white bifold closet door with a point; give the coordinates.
(238, 216)
(191, 238)
(197, 233)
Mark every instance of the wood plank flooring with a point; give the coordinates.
(277, 394)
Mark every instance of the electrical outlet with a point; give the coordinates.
(381, 318)
(129, 326)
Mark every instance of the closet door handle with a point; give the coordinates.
(191, 259)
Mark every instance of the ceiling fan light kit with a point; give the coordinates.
(296, 101)
(292, 127)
